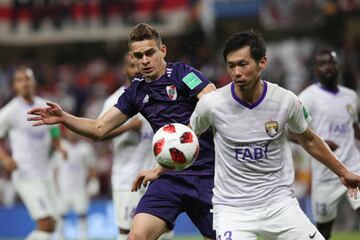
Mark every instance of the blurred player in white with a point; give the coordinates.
(73, 177)
(131, 154)
(29, 162)
(253, 163)
(333, 109)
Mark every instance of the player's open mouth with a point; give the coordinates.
(147, 70)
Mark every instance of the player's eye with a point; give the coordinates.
(149, 52)
(138, 55)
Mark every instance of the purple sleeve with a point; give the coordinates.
(189, 79)
(126, 103)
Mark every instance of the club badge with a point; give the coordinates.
(171, 92)
(271, 128)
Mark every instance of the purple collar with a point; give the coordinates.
(333, 91)
(245, 104)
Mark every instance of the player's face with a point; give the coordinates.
(130, 68)
(24, 83)
(243, 69)
(148, 58)
(327, 68)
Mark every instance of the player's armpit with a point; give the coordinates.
(209, 88)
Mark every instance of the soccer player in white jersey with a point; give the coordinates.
(73, 175)
(333, 109)
(30, 148)
(131, 154)
(253, 164)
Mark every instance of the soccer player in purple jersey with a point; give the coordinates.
(164, 93)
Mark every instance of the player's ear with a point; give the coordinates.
(263, 63)
(163, 50)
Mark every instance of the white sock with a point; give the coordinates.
(167, 236)
(82, 228)
(122, 236)
(39, 235)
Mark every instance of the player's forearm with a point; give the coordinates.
(133, 125)
(4, 155)
(317, 148)
(84, 126)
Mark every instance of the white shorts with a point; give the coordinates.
(284, 220)
(325, 198)
(125, 203)
(37, 195)
(78, 201)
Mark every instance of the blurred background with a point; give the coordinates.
(75, 49)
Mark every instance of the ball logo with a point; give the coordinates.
(171, 92)
(177, 156)
(271, 128)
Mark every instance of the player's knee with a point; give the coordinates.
(47, 224)
(134, 236)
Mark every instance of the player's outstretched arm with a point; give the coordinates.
(317, 148)
(7, 161)
(92, 128)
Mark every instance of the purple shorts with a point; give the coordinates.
(171, 195)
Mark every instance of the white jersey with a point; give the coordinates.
(253, 162)
(333, 116)
(131, 150)
(73, 171)
(30, 146)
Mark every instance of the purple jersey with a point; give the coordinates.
(171, 99)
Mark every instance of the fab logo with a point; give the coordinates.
(251, 153)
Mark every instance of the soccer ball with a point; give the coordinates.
(175, 146)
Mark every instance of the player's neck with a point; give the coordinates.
(252, 94)
(29, 99)
(330, 87)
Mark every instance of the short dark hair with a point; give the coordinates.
(23, 68)
(323, 51)
(243, 39)
(143, 32)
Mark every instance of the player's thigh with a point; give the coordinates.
(325, 198)
(147, 226)
(163, 199)
(80, 203)
(125, 203)
(198, 204)
(38, 197)
(286, 221)
(231, 223)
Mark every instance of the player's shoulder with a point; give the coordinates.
(217, 97)
(277, 92)
(347, 91)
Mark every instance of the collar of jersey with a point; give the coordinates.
(245, 104)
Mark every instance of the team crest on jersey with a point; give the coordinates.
(350, 109)
(171, 92)
(271, 128)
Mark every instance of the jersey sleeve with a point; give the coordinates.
(306, 99)
(299, 116)
(126, 102)
(190, 80)
(4, 121)
(200, 119)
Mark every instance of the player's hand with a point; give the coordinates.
(52, 114)
(146, 176)
(332, 145)
(9, 165)
(352, 182)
